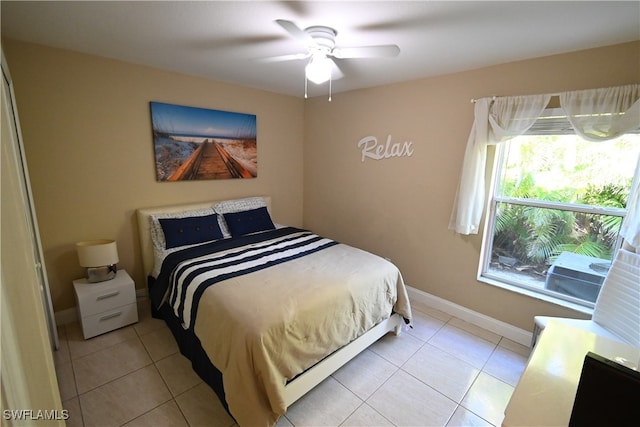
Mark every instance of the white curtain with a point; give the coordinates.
(494, 122)
(595, 114)
(601, 114)
(630, 229)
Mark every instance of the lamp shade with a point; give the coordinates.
(319, 69)
(97, 253)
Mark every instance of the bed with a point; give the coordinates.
(265, 312)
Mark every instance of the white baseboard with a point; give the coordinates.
(511, 332)
(64, 317)
(489, 323)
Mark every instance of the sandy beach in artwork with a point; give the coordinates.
(193, 143)
(178, 158)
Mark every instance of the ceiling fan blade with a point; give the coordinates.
(283, 58)
(298, 34)
(336, 72)
(381, 51)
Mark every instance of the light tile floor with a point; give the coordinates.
(443, 372)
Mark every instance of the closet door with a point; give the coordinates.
(11, 126)
(28, 332)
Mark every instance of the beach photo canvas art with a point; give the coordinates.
(193, 143)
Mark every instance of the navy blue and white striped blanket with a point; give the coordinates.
(186, 274)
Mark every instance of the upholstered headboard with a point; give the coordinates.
(144, 214)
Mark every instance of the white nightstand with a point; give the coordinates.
(105, 306)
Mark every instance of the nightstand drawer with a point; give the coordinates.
(94, 298)
(105, 306)
(109, 320)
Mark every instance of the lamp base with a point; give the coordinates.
(101, 274)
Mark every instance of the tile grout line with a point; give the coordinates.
(363, 401)
(73, 373)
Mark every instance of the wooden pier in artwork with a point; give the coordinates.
(210, 161)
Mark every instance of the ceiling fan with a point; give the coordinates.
(319, 42)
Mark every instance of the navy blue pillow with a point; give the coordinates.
(190, 230)
(246, 222)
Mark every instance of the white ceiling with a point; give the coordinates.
(219, 39)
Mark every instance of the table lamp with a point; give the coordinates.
(99, 257)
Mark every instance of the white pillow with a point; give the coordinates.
(237, 205)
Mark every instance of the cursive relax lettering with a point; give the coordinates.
(373, 150)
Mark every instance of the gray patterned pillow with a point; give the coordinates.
(237, 205)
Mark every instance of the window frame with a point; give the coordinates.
(493, 199)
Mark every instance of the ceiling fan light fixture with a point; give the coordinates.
(318, 69)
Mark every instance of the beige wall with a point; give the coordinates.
(399, 208)
(87, 132)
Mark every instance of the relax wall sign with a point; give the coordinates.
(372, 149)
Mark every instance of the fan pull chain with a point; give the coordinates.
(306, 84)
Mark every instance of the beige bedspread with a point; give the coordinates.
(264, 328)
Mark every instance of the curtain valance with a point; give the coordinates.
(595, 114)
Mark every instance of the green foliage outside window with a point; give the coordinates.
(535, 236)
(568, 170)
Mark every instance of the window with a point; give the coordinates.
(555, 209)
